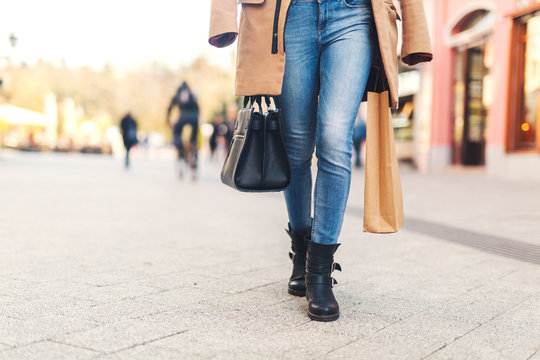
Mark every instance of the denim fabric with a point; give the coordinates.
(329, 48)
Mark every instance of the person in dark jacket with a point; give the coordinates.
(359, 136)
(186, 102)
(128, 127)
(219, 135)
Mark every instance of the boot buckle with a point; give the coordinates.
(336, 266)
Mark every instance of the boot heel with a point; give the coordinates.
(294, 292)
(323, 318)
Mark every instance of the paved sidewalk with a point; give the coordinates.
(102, 263)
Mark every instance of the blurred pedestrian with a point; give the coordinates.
(230, 119)
(186, 102)
(359, 136)
(218, 137)
(333, 48)
(128, 128)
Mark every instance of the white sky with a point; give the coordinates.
(122, 32)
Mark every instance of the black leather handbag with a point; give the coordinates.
(257, 160)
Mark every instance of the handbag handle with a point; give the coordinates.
(257, 99)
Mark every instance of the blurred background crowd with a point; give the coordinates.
(69, 73)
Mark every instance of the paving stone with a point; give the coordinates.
(106, 313)
(47, 350)
(30, 290)
(206, 344)
(54, 306)
(108, 278)
(514, 334)
(240, 265)
(188, 317)
(245, 281)
(173, 281)
(250, 300)
(413, 337)
(112, 293)
(232, 355)
(122, 335)
(49, 271)
(12, 287)
(179, 297)
(391, 306)
(261, 318)
(150, 352)
(16, 332)
(299, 342)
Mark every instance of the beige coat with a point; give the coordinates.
(261, 57)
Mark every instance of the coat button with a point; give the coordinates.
(275, 35)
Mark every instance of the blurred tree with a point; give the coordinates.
(107, 94)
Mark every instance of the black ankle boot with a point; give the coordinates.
(297, 282)
(322, 305)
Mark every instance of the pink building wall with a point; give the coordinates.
(440, 74)
(442, 79)
(443, 72)
(497, 119)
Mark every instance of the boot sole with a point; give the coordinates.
(323, 318)
(297, 292)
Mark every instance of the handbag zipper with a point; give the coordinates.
(276, 27)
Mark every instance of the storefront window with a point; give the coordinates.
(524, 3)
(526, 120)
(403, 117)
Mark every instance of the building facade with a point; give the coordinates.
(478, 101)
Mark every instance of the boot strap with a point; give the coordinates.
(323, 268)
(321, 279)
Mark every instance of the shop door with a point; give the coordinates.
(470, 114)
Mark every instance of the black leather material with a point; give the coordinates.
(322, 305)
(297, 281)
(257, 160)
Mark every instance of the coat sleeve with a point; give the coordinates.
(416, 46)
(223, 25)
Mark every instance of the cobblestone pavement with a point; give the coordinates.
(102, 263)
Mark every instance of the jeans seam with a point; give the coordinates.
(327, 18)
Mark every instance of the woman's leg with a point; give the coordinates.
(126, 163)
(346, 57)
(346, 52)
(298, 102)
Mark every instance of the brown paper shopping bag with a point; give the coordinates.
(383, 202)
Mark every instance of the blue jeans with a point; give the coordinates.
(329, 48)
